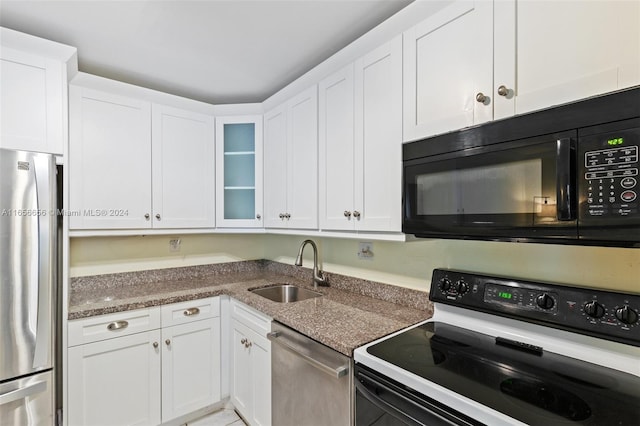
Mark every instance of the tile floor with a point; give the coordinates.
(224, 417)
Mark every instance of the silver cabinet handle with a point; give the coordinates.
(503, 91)
(258, 216)
(147, 216)
(155, 345)
(117, 325)
(347, 213)
(343, 370)
(248, 344)
(287, 216)
(191, 311)
(356, 214)
(482, 98)
(22, 393)
(243, 341)
(168, 342)
(281, 215)
(158, 216)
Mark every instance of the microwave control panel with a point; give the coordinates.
(611, 186)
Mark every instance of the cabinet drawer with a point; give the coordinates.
(193, 310)
(104, 327)
(250, 317)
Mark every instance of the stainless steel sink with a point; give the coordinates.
(286, 293)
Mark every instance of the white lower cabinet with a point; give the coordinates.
(121, 374)
(250, 364)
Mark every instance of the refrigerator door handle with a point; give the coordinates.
(46, 226)
(14, 395)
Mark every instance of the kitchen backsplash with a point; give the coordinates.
(407, 264)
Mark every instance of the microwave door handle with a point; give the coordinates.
(565, 187)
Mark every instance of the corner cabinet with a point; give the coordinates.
(239, 171)
(250, 364)
(147, 366)
(33, 92)
(291, 163)
(135, 164)
(360, 143)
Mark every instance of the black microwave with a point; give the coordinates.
(567, 174)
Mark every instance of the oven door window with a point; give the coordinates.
(516, 189)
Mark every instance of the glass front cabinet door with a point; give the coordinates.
(239, 171)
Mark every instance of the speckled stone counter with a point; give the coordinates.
(351, 312)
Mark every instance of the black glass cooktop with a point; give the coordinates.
(523, 382)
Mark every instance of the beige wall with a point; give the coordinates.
(406, 264)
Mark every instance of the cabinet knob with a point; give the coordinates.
(287, 216)
(356, 214)
(347, 214)
(248, 344)
(482, 98)
(147, 216)
(258, 217)
(243, 341)
(503, 91)
(168, 342)
(158, 216)
(281, 215)
(155, 345)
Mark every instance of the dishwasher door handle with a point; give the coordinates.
(338, 372)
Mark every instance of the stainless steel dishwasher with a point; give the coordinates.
(311, 384)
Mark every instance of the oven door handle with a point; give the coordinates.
(401, 407)
(565, 181)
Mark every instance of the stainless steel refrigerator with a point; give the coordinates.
(28, 259)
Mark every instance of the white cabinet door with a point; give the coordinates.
(336, 149)
(190, 367)
(239, 171)
(566, 50)
(378, 139)
(240, 386)
(251, 375)
(183, 168)
(448, 62)
(115, 381)
(110, 161)
(32, 102)
(275, 167)
(302, 151)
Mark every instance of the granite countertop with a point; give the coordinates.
(350, 313)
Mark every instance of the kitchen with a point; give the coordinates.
(101, 248)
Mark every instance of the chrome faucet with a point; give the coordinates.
(318, 276)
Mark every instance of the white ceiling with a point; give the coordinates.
(215, 51)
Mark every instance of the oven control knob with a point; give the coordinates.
(462, 287)
(445, 284)
(545, 301)
(626, 315)
(594, 309)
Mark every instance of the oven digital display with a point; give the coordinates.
(505, 295)
(615, 141)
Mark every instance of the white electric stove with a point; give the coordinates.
(502, 351)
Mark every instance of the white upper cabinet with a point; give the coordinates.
(448, 70)
(291, 163)
(239, 171)
(139, 165)
(183, 168)
(552, 52)
(476, 61)
(360, 116)
(109, 161)
(336, 150)
(33, 92)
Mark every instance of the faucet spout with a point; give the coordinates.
(318, 275)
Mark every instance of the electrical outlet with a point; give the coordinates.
(365, 250)
(174, 245)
